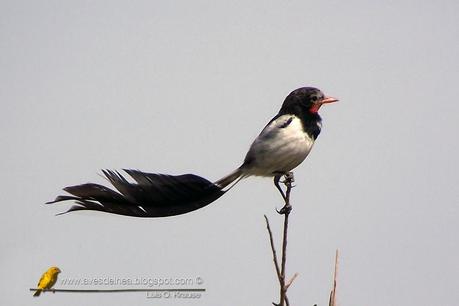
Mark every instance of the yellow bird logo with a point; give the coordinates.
(47, 280)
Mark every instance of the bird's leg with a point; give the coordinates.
(288, 180)
(276, 183)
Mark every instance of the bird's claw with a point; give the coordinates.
(285, 210)
(289, 178)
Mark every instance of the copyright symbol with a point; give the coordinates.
(199, 280)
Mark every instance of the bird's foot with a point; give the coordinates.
(285, 210)
(289, 178)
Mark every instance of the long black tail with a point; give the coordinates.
(152, 195)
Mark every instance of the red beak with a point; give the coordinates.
(328, 100)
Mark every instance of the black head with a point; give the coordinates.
(304, 101)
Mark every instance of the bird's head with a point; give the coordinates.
(309, 99)
(54, 270)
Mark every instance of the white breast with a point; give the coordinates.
(280, 147)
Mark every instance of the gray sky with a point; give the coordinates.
(179, 87)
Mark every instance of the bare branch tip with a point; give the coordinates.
(287, 285)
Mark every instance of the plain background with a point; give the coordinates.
(184, 87)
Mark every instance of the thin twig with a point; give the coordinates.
(332, 301)
(273, 249)
(283, 289)
(287, 285)
(280, 270)
(284, 260)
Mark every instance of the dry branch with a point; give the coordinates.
(280, 270)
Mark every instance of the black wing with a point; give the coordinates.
(152, 195)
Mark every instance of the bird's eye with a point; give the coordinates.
(314, 98)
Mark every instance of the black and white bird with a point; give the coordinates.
(281, 146)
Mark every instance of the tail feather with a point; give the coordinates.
(152, 195)
(234, 176)
(37, 293)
